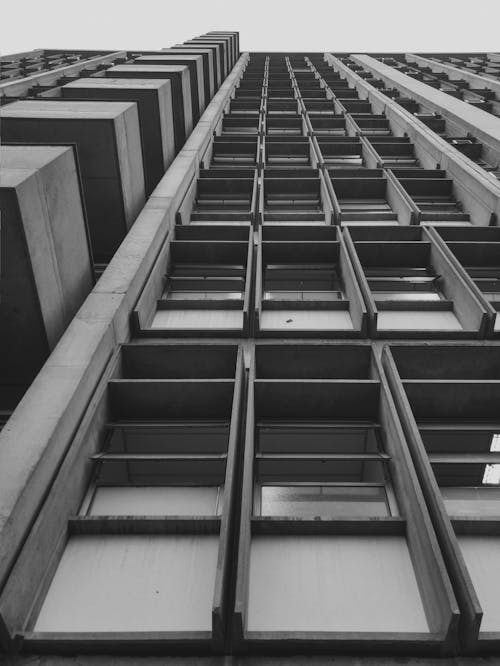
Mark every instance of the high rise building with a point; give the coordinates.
(251, 360)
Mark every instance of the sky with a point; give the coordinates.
(264, 25)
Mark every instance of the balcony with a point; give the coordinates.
(477, 250)
(305, 284)
(410, 286)
(158, 479)
(434, 195)
(332, 519)
(447, 398)
(294, 195)
(205, 286)
(220, 195)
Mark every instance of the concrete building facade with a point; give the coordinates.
(257, 420)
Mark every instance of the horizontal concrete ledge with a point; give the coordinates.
(45, 108)
(478, 80)
(37, 436)
(14, 88)
(481, 124)
(291, 660)
(472, 178)
(49, 218)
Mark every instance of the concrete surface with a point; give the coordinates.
(46, 259)
(154, 103)
(108, 142)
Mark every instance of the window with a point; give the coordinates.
(325, 501)
(403, 284)
(467, 468)
(321, 470)
(487, 279)
(302, 282)
(168, 469)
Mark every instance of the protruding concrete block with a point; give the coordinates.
(234, 40)
(181, 92)
(154, 102)
(219, 46)
(216, 61)
(227, 48)
(43, 432)
(108, 142)
(208, 67)
(46, 259)
(195, 64)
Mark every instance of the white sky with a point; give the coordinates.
(273, 25)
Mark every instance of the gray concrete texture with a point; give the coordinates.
(208, 67)
(46, 259)
(181, 92)
(108, 142)
(196, 74)
(154, 103)
(45, 421)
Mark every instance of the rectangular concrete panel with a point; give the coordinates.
(418, 320)
(108, 142)
(333, 583)
(155, 501)
(154, 104)
(208, 69)
(221, 64)
(46, 258)
(132, 583)
(195, 64)
(483, 124)
(216, 61)
(197, 319)
(296, 320)
(181, 92)
(481, 555)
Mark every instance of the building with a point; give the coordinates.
(270, 432)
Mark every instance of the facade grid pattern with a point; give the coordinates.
(271, 429)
